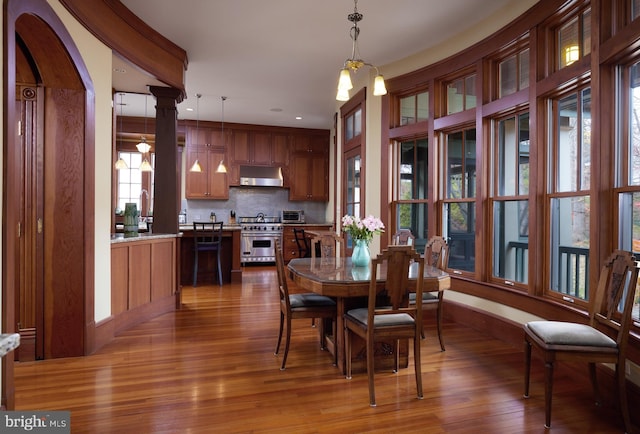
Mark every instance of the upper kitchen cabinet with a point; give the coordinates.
(258, 148)
(205, 146)
(309, 168)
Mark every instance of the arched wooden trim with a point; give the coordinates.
(49, 23)
(117, 27)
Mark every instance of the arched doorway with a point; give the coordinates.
(48, 278)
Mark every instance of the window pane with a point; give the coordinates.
(455, 94)
(470, 92)
(461, 164)
(413, 216)
(357, 122)
(507, 158)
(507, 76)
(567, 147)
(407, 110)
(348, 133)
(586, 32)
(585, 144)
(570, 246)
(523, 154)
(423, 106)
(510, 240)
(459, 220)
(568, 43)
(414, 170)
(629, 235)
(634, 125)
(635, 9)
(524, 69)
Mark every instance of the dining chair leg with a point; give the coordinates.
(439, 320)
(195, 269)
(417, 363)
(347, 351)
(286, 344)
(321, 332)
(279, 333)
(370, 372)
(622, 398)
(220, 270)
(594, 383)
(548, 390)
(527, 367)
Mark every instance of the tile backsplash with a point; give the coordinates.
(249, 201)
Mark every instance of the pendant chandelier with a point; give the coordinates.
(121, 164)
(197, 168)
(143, 146)
(354, 63)
(221, 167)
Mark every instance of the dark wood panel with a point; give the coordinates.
(119, 279)
(139, 275)
(163, 269)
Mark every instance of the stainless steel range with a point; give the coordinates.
(258, 237)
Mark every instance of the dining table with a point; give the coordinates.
(349, 286)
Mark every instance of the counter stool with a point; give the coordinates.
(207, 237)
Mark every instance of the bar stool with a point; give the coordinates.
(207, 237)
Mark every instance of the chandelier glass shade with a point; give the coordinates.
(354, 63)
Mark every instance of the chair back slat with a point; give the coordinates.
(436, 252)
(207, 234)
(328, 245)
(615, 294)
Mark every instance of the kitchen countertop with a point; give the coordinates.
(120, 238)
(226, 227)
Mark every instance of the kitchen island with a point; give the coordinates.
(229, 260)
(144, 281)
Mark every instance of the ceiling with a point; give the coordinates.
(278, 59)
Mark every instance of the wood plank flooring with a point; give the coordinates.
(210, 368)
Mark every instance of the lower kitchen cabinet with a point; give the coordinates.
(289, 245)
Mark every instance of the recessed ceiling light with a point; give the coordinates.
(119, 70)
(189, 109)
(298, 118)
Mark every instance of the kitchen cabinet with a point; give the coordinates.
(289, 245)
(259, 148)
(309, 176)
(206, 146)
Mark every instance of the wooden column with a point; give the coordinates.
(166, 198)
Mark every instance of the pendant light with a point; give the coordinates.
(120, 164)
(143, 146)
(197, 168)
(355, 62)
(221, 167)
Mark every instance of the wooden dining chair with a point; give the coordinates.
(436, 254)
(327, 245)
(395, 318)
(207, 237)
(293, 306)
(302, 242)
(602, 340)
(404, 237)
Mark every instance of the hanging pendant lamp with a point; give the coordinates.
(196, 167)
(221, 167)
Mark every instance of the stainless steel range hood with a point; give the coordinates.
(260, 176)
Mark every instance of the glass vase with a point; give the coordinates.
(360, 256)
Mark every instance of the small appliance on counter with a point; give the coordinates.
(292, 216)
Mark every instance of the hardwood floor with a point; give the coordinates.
(210, 367)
